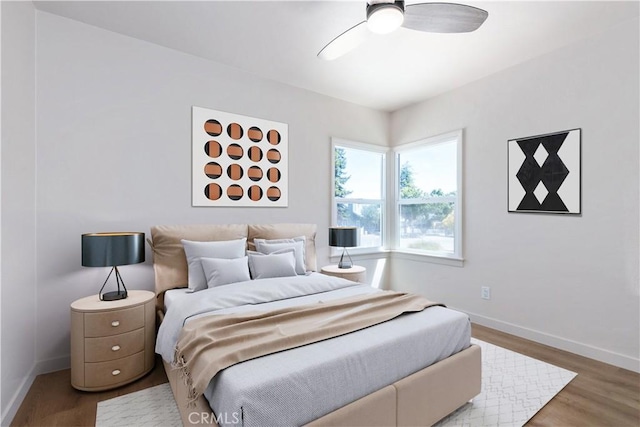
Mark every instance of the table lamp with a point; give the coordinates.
(112, 250)
(344, 237)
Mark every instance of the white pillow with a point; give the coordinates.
(227, 249)
(280, 264)
(297, 243)
(220, 271)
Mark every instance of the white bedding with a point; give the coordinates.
(296, 386)
(173, 294)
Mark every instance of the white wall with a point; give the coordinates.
(568, 281)
(114, 152)
(18, 309)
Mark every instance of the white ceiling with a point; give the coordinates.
(280, 40)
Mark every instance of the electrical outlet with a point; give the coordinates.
(485, 292)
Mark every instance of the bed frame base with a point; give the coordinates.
(421, 399)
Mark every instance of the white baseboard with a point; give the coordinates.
(18, 397)
(42, 367)
(602, 355)
(52, 365)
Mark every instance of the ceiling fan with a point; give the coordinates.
(384, 17)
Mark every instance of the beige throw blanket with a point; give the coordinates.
(210, 344)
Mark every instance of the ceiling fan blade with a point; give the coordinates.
(345, 42)
(443, 17)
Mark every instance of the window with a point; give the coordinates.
(428, 196)
(359, 190)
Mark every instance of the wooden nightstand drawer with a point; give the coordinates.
(113, 322)
(103, 374)
(113, 347)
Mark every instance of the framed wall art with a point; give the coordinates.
(238, 160)
(544, 173)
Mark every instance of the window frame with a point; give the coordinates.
(384, 214)
(457, 137)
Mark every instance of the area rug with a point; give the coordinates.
(151, 407)
(514, 388)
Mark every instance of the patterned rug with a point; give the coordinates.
(151, 407)
(514, 388)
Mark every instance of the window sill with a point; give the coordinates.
(420, 257)
(407, 255)
(374, 254)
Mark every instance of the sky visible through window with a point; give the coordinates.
(365, 171)
(433, 167)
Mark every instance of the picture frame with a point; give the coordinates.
(238, 160)
(544, 173)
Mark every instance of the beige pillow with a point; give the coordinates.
(287, 231)
(169, 259)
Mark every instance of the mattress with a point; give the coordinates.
(296, 386)
(172, 295)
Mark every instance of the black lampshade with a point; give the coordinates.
(112, 249)
(344, 237)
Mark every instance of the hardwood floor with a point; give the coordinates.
(52, 401)
(601, 395)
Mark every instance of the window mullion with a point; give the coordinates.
(431, 200)
(360, 201)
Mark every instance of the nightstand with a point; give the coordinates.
(112, 342)
(355, 274)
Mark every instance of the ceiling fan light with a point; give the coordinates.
(385, 18)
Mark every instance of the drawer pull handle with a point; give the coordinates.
(115, 323)
(115, 348)
(116, 372)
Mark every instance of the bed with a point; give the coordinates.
(352, 379)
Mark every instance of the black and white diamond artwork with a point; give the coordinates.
(544, 173)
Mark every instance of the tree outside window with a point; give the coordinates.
(358, 196)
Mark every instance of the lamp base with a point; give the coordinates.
(345, 264)
(114, 296)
